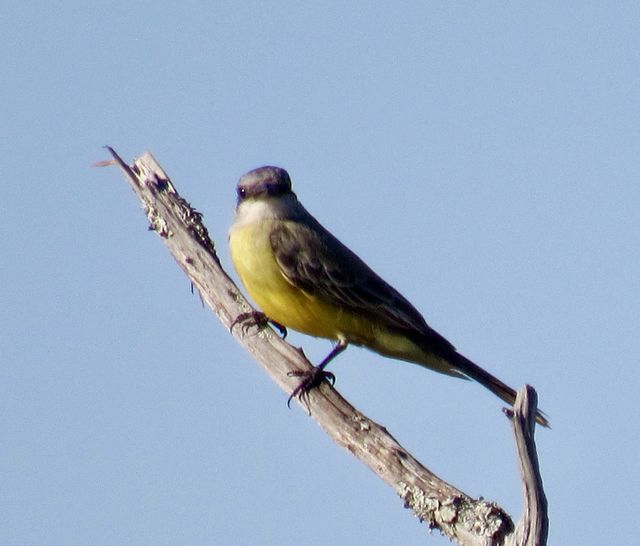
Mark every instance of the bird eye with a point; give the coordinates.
(242, 192)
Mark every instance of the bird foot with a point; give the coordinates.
(312, 380)
(258, 319)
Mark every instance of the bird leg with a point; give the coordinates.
(315, 377)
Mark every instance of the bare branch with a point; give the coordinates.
(468, 521)
(533, 527)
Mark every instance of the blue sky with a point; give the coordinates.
(482, 157)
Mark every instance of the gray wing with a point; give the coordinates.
(315, 261)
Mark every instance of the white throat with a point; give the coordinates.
(259, 210)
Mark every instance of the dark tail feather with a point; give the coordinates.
(497, 387)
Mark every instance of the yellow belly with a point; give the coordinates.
(294, 308)
(281, 301)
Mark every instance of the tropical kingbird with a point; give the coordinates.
(304, 278)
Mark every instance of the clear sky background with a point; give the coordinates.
(483, 157)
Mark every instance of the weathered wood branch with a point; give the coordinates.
(533, 527)
(468, 521)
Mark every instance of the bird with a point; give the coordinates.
(302, 277)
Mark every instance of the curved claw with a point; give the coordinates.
(249, 319)
(312, 380)
(280, 327)
(257, 319)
